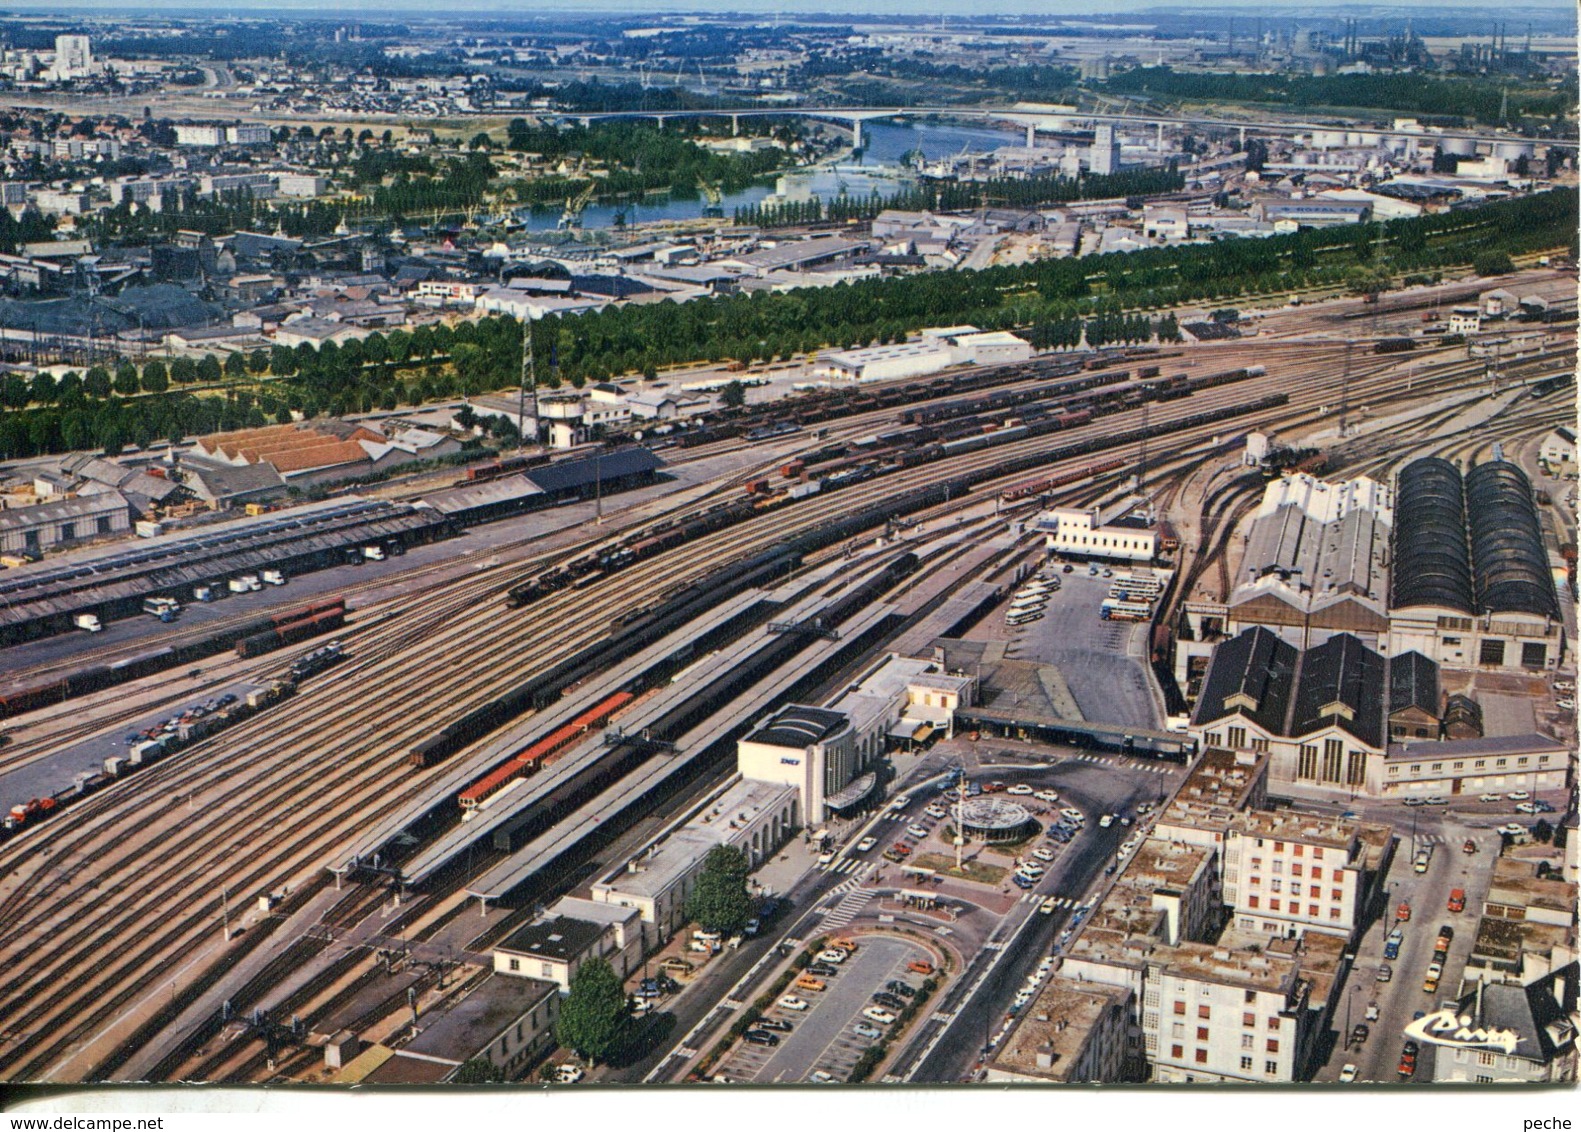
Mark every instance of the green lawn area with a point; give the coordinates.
(969, 870)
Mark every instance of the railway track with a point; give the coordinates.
(90, 973)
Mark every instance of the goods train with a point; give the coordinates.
(281, 629)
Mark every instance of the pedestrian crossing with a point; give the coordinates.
(1433, 839)
(1038, 898)
(848, 885)
(850, 906)
(1128, 764)
(844, 865)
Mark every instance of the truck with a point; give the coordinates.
(87, 621)
(245, 583)
(272, 577)
(203, 593)
(164, 608)
(373, 553)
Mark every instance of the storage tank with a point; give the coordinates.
(1514, 150)
(1460, 147)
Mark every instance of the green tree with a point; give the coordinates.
(720, 902)
(96, 383)
(477, 1070)
(235, 364)
(733, 395)
(184, 371)
(155, 378)
(1492, 263)
(209, 369)
(593, 1016)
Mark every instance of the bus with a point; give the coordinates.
(1025, 617)
(1126, 611)
(164, 608)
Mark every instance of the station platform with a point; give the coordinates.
(656, 773)
(690, 682)
(460, 772)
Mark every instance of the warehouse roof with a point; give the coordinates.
(1341, 681)
(1507, 555)
(1432, 562)
(570, 475)
(65, 510)
(1253, 674)
(1413, 682)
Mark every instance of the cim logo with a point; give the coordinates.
(790, 762)
(1446, 1028)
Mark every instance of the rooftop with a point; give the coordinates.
(797, 726)
(464, 1029)
(1055, 1026)
(558, 938)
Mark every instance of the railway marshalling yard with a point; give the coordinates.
(127, 919)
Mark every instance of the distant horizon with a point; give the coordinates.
(1054, 9)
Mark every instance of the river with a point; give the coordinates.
(885, 142)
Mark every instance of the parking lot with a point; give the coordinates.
(824, 1039)
(1104, 663)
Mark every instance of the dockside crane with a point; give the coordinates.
(575, 205)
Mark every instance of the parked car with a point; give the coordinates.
(917, 831)
(1517, 795)
(1469, 847)
(762, 1038)
(1490, 797)
(1347, 1074)
(1046, 796)
(863, 1030)
(791, 1002)
(568, 1073)
(1528, 808)
(1360, 1033)
(920, 967)
(779, 1024)
(1435, 971)
(1385, 973)
(865, 844)
(1372, 1012)
(879, 1015)
(894, 1002)
(831, 955)
(1020, 788)
(823, 970)
(1042, 854)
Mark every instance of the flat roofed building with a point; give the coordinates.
(509, 1022)
(1070, 1032)
(1499, 764)
(1078, 532)
(754, 817)
(1288, 874)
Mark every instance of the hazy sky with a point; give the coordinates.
(845, 8)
